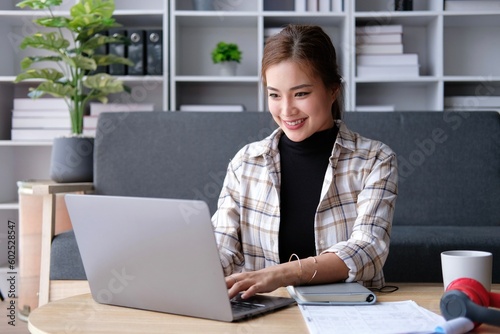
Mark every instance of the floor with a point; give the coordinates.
(19, 325)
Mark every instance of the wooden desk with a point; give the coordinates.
(81, 314)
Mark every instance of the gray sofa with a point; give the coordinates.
(449, 167)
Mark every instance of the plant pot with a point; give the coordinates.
(203, 4)
(228, 68)
(72, 159)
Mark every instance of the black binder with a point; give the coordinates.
(117, 49)
(154, 52)
(136, 52)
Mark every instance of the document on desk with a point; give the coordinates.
(380, 318)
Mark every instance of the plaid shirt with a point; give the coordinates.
(353, 218)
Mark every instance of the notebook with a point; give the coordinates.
(333, 294)
(156, 254)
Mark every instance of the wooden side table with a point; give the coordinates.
(39, 210)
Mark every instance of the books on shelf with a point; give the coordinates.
(386, 48)
(98, 108)
(388, 70)
(212, 107)
(40, 104)
(40, 113)
(472, 102)
(379, 52)
(90, 121)
(41, 122)
(375, 108)
(396, 38)
(38, 134)
(39, 119)
(471, 5)
(318, 6)
(377, 29)
(387, 59)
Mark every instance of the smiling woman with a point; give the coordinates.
(313, 190)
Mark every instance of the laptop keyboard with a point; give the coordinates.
(242, 306)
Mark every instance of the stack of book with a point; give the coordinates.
(379, 52)
(40, 120)
(471, 5)
(90, 121)
(318, 5)
(212, 107)
(471, 103)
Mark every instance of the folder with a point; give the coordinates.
(117, 49)
(136, 51)
(154, 52)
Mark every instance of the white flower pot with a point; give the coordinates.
(228, 68)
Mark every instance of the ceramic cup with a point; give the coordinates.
(467, 263)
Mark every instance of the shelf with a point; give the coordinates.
(189, 78)
(9, 206)
(213, 20)
(8, 143)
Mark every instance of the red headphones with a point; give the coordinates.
(466, 297)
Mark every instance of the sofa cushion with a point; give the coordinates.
(65, 260)
(415, 251)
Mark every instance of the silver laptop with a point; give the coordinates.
(156, 254)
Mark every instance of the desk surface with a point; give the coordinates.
(80, 314)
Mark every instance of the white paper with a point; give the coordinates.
(381, 318)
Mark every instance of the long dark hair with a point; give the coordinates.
(312, 49)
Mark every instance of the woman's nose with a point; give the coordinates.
(288, 108)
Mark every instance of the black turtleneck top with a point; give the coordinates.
(303, 167)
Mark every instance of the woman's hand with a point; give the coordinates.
(325, 268)
(262, 281)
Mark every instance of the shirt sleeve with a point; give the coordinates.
(226, 223)
(367, 247)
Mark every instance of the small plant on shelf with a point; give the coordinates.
(226, 52)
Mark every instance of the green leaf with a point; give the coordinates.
(85, 33)
(103, 8)
(53, 22)
(52, 88)
(104, 60)
(47, 74)
(104, 83)
(49, 41)
(28, 61)
(85, 63)
(39, 4)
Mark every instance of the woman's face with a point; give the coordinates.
(299, 103)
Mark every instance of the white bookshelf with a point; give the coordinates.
(30, 160)
(194, 78)
(457, 53)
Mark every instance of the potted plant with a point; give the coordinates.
(228, 55)
(70, 43)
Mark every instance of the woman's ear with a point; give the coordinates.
(334, 92)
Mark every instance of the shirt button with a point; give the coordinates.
(321, 242)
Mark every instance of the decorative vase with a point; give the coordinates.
(228, 68)
(203, 4)
(72, 159)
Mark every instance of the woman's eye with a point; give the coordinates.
(301, 94)
(273, 95)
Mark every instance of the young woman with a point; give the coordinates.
(313, 202)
